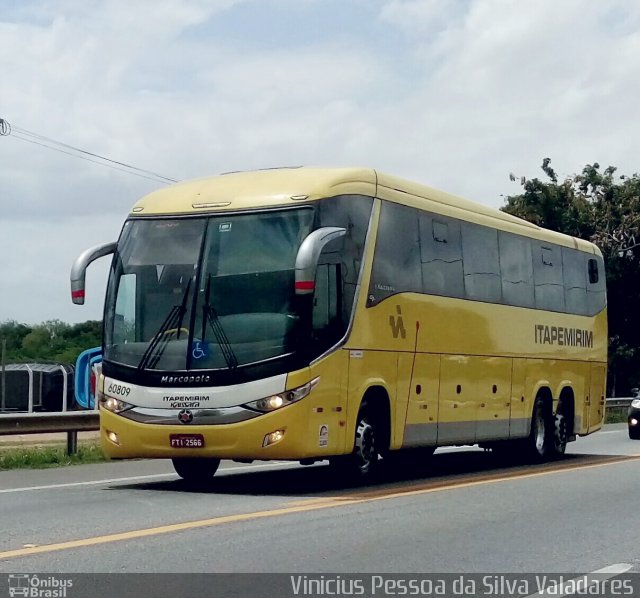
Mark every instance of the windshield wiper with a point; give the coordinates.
(210, 316)
(161, 338)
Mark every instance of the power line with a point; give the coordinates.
(7, 129)
(88, 159)
(71, 147)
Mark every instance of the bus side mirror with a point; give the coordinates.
(309, 254)
(79, 269)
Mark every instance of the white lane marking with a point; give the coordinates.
(611, 432)
(142, 477)
(616, 569)
(583, 582)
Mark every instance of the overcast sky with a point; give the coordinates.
(456, 94)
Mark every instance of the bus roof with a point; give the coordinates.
(297, 185)
(257, 189)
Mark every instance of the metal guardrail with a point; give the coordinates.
(70, 422)
(619, 402)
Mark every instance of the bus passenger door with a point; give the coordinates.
(421, 422)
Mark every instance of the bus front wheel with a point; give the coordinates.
(195, 469)
(362, 463)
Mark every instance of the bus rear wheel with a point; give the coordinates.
(540, 443)
(195, 470)
(560, 434)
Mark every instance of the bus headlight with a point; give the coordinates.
(635, 403)
(282, 399)
(114, 405)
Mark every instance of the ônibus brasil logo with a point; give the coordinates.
(38, 586)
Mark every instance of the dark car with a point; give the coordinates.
(633, 417)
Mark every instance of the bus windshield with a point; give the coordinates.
(204, 293)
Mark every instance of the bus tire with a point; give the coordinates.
(363, 462)
(540, 444)
(194, 469)
(560, 434)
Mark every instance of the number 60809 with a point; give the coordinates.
(118, 389)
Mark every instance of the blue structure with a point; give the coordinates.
(84, 366)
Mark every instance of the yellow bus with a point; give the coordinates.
(342, 314)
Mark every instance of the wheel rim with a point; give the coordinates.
(540, 431)
(365, 446)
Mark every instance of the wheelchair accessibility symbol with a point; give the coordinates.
(199, 350)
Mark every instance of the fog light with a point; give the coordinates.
(113, 437)
(274, 437)
(633, 421)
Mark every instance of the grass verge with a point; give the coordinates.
(49, 456)
(616, 416)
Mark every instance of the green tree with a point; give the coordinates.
(53, 340)
(13, 333)
(604, 208)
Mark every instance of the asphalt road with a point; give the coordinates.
(465, 511)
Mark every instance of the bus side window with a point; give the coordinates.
(547, 273)
(441, 256)
(596, 292)
(327, 315)
(481, 263)
(575, 281)
(593, 271)
(396, 263)
(516, 269)
(351, 212)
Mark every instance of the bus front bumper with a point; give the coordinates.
(283, 434)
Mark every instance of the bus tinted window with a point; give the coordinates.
(396, 267)
(547, 273)
(516, 267)
(575, 281)
(441, 256)
(339, 266)
(481, 263)
(454, 258)
(596, 293)
(353, 213)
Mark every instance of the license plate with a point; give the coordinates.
(186, 440)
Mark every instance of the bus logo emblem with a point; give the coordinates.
(397, 324)
(185, 416)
